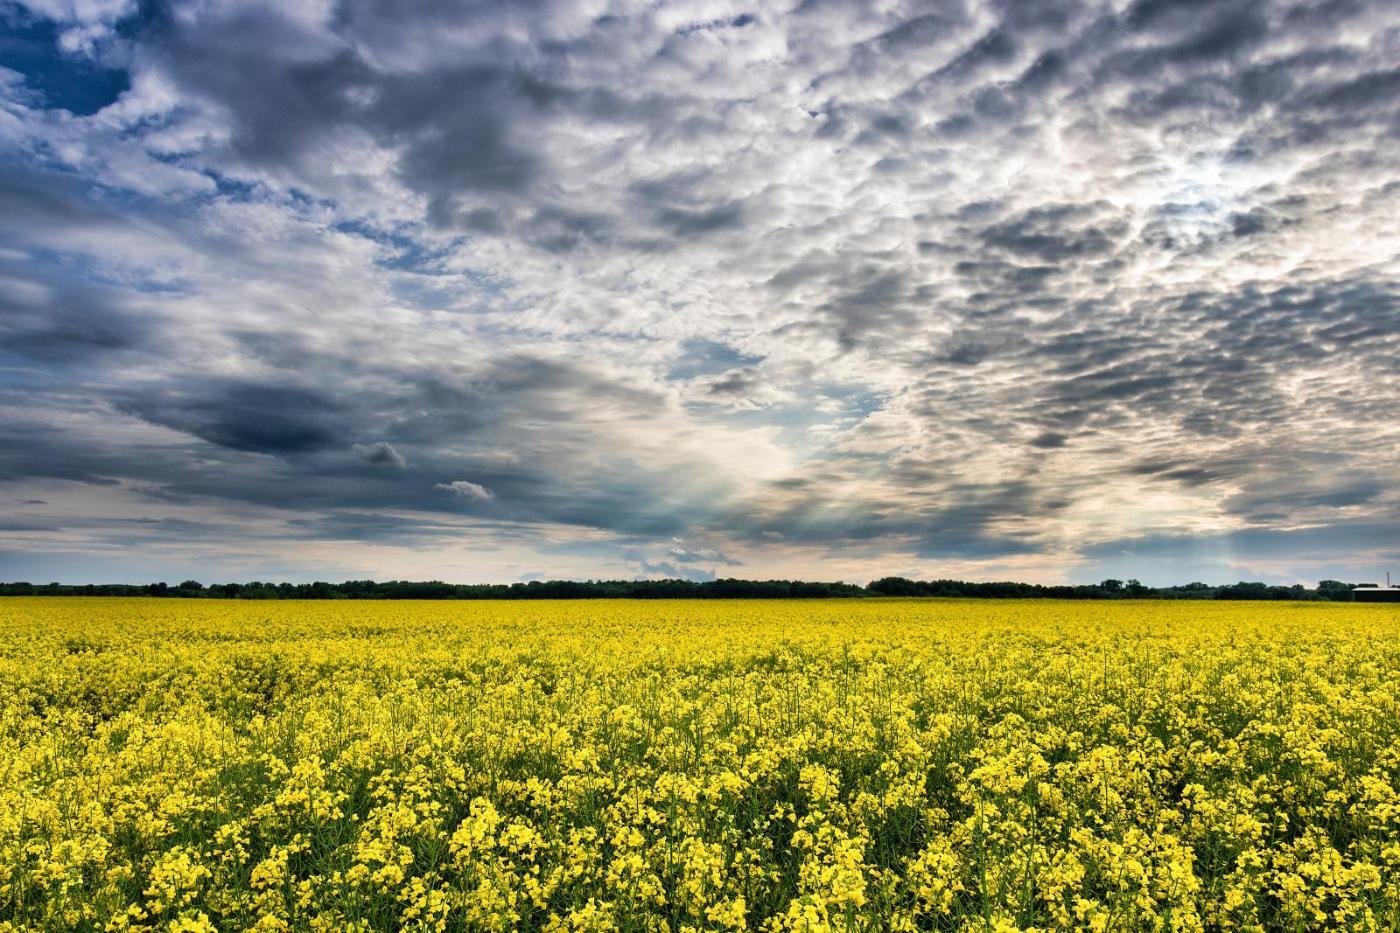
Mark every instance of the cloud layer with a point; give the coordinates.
(818, 289)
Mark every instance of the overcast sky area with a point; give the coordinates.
(1047, 291)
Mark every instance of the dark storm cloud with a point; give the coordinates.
(381, 453)
(253, 417)
(627, 273)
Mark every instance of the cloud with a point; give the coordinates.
(1049, 440)
(381, 453)
(985, 287)
(743, 388)
(468, 490)
(247, 416)
(669, 571)
(680, 554)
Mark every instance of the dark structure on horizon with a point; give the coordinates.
(1370, 593)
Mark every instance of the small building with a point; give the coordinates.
(1370, 593)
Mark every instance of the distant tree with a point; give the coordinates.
(1244, 590)
(1336, 591)
(724, 588)
(894, 586)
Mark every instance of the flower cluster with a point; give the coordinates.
(687, 766)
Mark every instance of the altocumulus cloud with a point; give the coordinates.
(820, 289)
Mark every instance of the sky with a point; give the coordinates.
(821, 289)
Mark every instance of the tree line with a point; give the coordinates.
(1333, 590)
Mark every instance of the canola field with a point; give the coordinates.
(777, 766)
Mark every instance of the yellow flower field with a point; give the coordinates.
(612, 765)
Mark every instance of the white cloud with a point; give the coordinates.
(467, 490)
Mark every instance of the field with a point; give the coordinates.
(847, 765)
